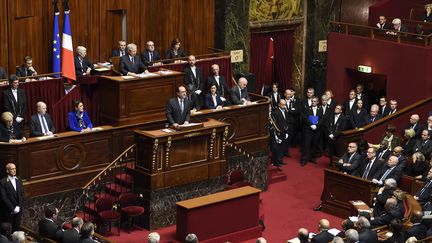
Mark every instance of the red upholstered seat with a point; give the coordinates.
(104, 207)
(129, 203)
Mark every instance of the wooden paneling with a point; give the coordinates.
(26, 27)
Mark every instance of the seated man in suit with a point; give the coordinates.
(178, 108)
(323, 236)
(14, 99)
(194, 82)
(397, 27)
(27, 69)
(87, 232)
(383, 109)
(47, 227)
(424, 195)
(3, 74)
(10, 132)
(418, 230)
(365, 232)
(384, 193)
(371, 165)
(41, 123)
(351, 161)
(220, 82)
(389, 171)
(150, 56)
(373, 114)
(131, 64)
(415, 125)
(239, 93)
(82, 65)
(393, 107)
(121, 50)
(391, 212)
(72, 235)
(382, 23)
(424, 145)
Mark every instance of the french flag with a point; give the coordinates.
(68, 65)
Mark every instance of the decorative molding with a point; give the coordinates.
(212, 139)
(275, 25)
(155, 149)
(168, 146)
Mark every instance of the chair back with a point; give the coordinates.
(116, 64)
(128, 199)
(103, 204)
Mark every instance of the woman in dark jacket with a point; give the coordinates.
(358, 115)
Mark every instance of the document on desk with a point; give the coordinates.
(102, 69)
(97, 128)
(46, 137)
(168, 130)
(164, 72)
(189, 125)
(128, 77)
(143, 75)
(334, 231)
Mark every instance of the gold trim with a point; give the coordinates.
(155, 148)
(212, 138)
(194, 134)
(168, 146)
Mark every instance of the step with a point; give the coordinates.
(277, 177)
(125, 178)
(90, 207)
(117, 188)
(114, 198)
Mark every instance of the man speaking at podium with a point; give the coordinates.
(178, 108)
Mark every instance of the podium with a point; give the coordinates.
(166, 159)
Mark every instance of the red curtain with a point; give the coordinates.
(283, 43)
(261, 60)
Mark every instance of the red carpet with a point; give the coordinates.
(287, 205)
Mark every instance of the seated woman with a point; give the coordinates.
(393, 140)
(358, 115)
(427, 17)
(409, 142)
(213, 99)
(9, 131)
(78, 119)
(175, 51)
(418, 167)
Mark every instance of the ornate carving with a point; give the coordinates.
(71, 157)
(194, 134)
(155, 148)
(212, 140)
(224, 140)
(168, 146)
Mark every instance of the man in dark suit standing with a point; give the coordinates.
(3, 74)
(194, 82)
(12, 197)
(150, 56)
(281, 131)
(311, 127)
(27, 69)
(178, 108)
(82, 65)
(220, 81)
(14, 99)
(323, 236)
(131, 64)
(274, 96)
(383, 108)
(336, 124)
(41, 123)
(47, 226)
(239, 93)
(371, 165)
(72, 235)
(293, 106)
(121, 50)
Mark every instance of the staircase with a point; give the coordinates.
(112, 181)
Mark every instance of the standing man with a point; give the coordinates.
(82, 65)
(383, 109)
(131, 64)
(281, 131)
(12, 197)
(193, 81)
(293, 106)
(311, 125)
(336, 124)
(41, 123)
(393, 107)
(150, 56)
(274, 96)
(220, 81)
(14, 99)
(178, 108)
(239, 93)
(121, 50)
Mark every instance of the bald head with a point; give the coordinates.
(242, 82)
(191, 60)
(303, 234)
(324, 224)
(392, 161)
(414, 118)
(11, 169)
(41, 108)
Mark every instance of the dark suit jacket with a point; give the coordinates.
(284, 124)
(209, 101)
(336, 128)
(426, 149)
(126, 65)
(424, 195)
(71, 236)
(417, 230)
(74, 122)
(384, 111)
(355, 163)
(368, 235)
(145, 57)
(376, 166)
(322, 237)
(79, 71)
(417, 129)
(36, 126)
(170, 54)
(173, 111)
(358, 119)
(21, 71)
(193, 82)
(385, 218)
(274, 102)
(49, 229)
(396, 174)
(309, 112)
(396, 238)
(87, 240)
(11, 105)
(236, 96)
(9, 197)
(4, 239)
(222, 87)
(386, 26)
(4, 132)
(3, 74)
(347, 110)
(116, 52)
(383, 153)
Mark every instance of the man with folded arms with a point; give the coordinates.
(41, 123)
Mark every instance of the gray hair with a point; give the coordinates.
(261, 240)
(191, 238)
(390, 183)
(80, 49)
(18, 237)
(337, 239)
(131, 47)
(153, 237)
(363, 222)
(396, 21)
(352, 235)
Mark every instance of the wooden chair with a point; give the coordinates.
(129, 203)
(116, 65)
(104, 207)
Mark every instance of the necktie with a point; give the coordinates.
(44, 124)
(366, 173)
(150, 56)
(81, 64)
(181, 106)
(132, 60)
(383, 177)
(122, 53)
(425, 187)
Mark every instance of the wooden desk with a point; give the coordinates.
(127, 101)
(340, 189)
(221, 216)
(166, 159)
